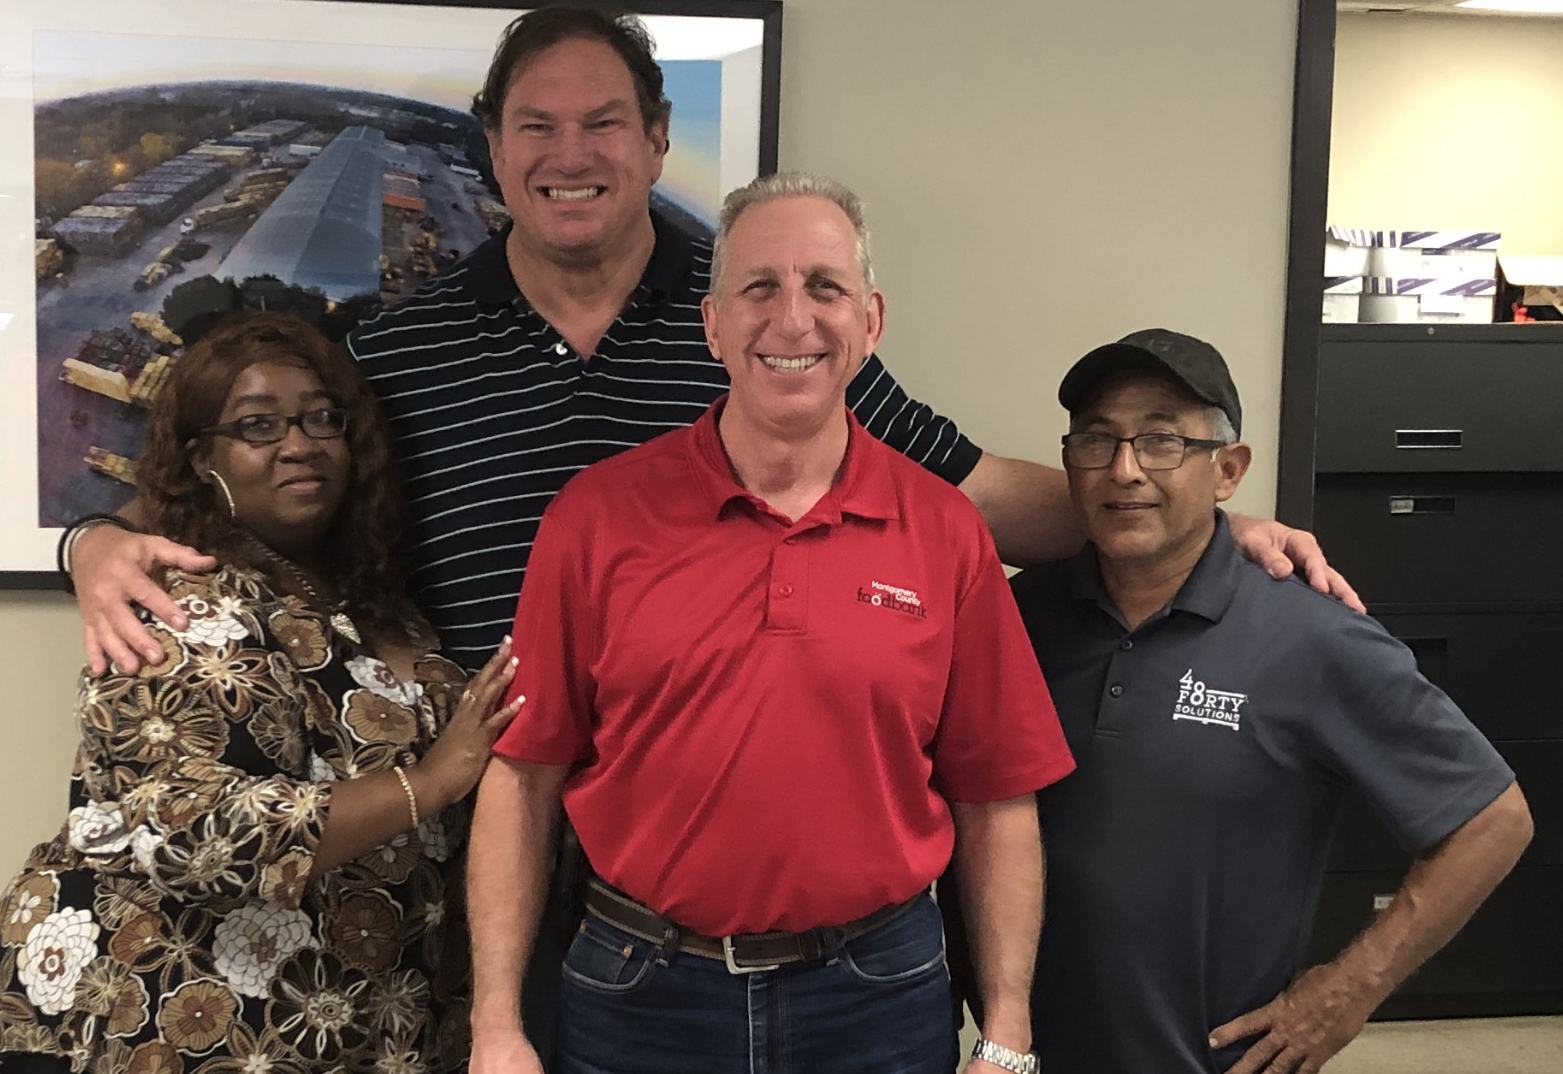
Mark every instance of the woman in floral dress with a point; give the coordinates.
(253, 878)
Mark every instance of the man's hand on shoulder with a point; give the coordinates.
(1279, 549)
(1302, 1028)
(112, 569)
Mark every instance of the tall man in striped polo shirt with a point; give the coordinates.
(571, 336)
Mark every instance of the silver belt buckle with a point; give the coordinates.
(734, 967)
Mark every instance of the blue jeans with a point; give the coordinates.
(878, 1004)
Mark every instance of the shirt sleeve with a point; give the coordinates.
(1421, 763)
(553, 638)
(912, 428)
(999, 735)
(192, 783)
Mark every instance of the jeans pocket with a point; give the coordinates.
(606, 959)
(908, 948)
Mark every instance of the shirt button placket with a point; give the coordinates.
(1111, 711)
(787, 597)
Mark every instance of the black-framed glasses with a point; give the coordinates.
(1153, 451)
(325, 423)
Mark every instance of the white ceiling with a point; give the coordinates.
(1424, 7)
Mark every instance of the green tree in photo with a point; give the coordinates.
(156, 147)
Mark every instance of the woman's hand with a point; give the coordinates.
(369, 810)
(454, 763)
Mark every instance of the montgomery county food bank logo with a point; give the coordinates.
(892, 597)
(1200, 703)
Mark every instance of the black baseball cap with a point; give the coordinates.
(1192, 362)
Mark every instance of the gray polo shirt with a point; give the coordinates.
(1186, 852)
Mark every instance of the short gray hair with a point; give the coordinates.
(769, 188)
(1220, 425)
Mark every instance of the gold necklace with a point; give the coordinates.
(339, 620)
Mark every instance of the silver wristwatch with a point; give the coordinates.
(1000, 1056)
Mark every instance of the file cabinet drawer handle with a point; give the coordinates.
(1429, 439)
(1421, 505)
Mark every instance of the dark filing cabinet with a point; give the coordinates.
(1438, 491)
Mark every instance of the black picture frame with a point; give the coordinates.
(33, 573)
(1312, 109)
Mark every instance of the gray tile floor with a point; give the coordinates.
(1452, 1046)
(1455, 1046)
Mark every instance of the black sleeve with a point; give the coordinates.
(910, 427)
(1408, 747)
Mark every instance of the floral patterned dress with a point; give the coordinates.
(171, 927)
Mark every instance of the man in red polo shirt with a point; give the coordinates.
(776, 677)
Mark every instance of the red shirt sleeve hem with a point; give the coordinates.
(534, 753)
(1013, 785)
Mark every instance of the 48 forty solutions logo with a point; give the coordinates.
(1200, 703)
(892, 597)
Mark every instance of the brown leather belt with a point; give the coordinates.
(744, 953)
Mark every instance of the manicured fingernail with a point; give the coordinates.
(519, 701)
(1213, 1043)
(515, 661)
(506, 641)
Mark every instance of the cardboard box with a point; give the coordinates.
(1346, 251)
(1533, 281)
(1415, 301)
(1342, 299)
(1437, 255)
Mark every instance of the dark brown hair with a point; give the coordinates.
(364, 541)
(537, 31)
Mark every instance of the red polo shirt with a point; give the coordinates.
(770, 717)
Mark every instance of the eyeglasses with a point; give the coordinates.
(327, 423)
(1153, 451)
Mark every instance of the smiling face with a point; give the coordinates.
(285, 493)
(1148, 517)
(573, 158)
(791, 317)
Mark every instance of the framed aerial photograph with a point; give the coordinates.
(323, 150)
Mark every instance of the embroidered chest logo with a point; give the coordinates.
(1198, 702)
(893, 598)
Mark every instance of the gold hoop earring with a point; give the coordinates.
(233, 511)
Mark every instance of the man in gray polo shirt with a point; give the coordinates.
(1216, 716)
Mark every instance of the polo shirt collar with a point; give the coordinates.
(492, 282)
(1207, 592)
(864, 489)
(672, 260)
(667, 273)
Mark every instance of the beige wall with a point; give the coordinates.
(40, 649)
(1447, 123)
(1040, 177)
(1043, 177)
